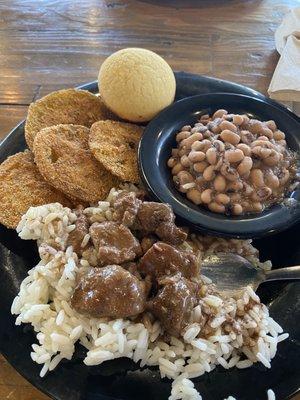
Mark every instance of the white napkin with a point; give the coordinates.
(285, 83)
(289, 26)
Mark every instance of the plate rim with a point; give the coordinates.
(92, 87)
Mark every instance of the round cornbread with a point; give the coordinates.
(64, 159)
(114, 145)
(70, 106)
(22, 186)
(136, 84)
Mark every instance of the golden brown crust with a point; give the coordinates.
(70, 106)
(22, 186)
(65, 161)
(114, 144)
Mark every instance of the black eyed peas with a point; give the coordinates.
(245, 166)
(197, 145)
(185, 161)
(237, 120)
(200, 166)
(235, 197)
(245, 149)
(194, 195)
(187, 142)
(182, 135)
(284, 176)
(267, 132)
(234, 156)
(205, 145)
(172, 162)
(219, 145)
(220, 183)
(265, 138)
(248, 189)
(209, 173)
(177, 168)
(222, 198)
(234, 186)
(272, 159)
(263, 152)
(196, 156)
(219, 114)
(271, 180)
(262, 194)
(271, 125)
(237, 209)
(185, 177)
(216, 207)
(230, 137)
(232, 164)
(257, 178)
(257, 206)
(212, 155)
(226, 125)
(182, 151)
(206, 196)
(246, 119)
(229, 172)
(246, 137)
(278, 135)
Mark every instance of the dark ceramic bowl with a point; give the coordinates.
(155, 149)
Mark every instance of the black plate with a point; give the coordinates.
(159, 139)
(121, 379)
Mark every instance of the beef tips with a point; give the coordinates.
(132, 268)
(162, 259)
(126, 206)
(151, 215)
(114, 243)
(75, 237)
(148, 217)
(147, 242)
(159, 219)
(170, 233)
(109, 292)
(174, 303)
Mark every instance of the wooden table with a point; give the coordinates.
(47, 45)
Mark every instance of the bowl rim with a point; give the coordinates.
(196, 217)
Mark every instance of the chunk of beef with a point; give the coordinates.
(170, 233)
(75, 237)
(132, 268)
(147, 242)
(162, 259)
(126, 206)
(151, 215)
(109, 292)
(159, 218)
(114, 243)
(174, 303)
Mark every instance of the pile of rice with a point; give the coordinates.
(231, 332)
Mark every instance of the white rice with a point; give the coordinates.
(210, 339)
(271, 395)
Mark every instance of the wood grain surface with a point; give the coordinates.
(47, 45)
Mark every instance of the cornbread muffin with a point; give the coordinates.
(136, 84)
